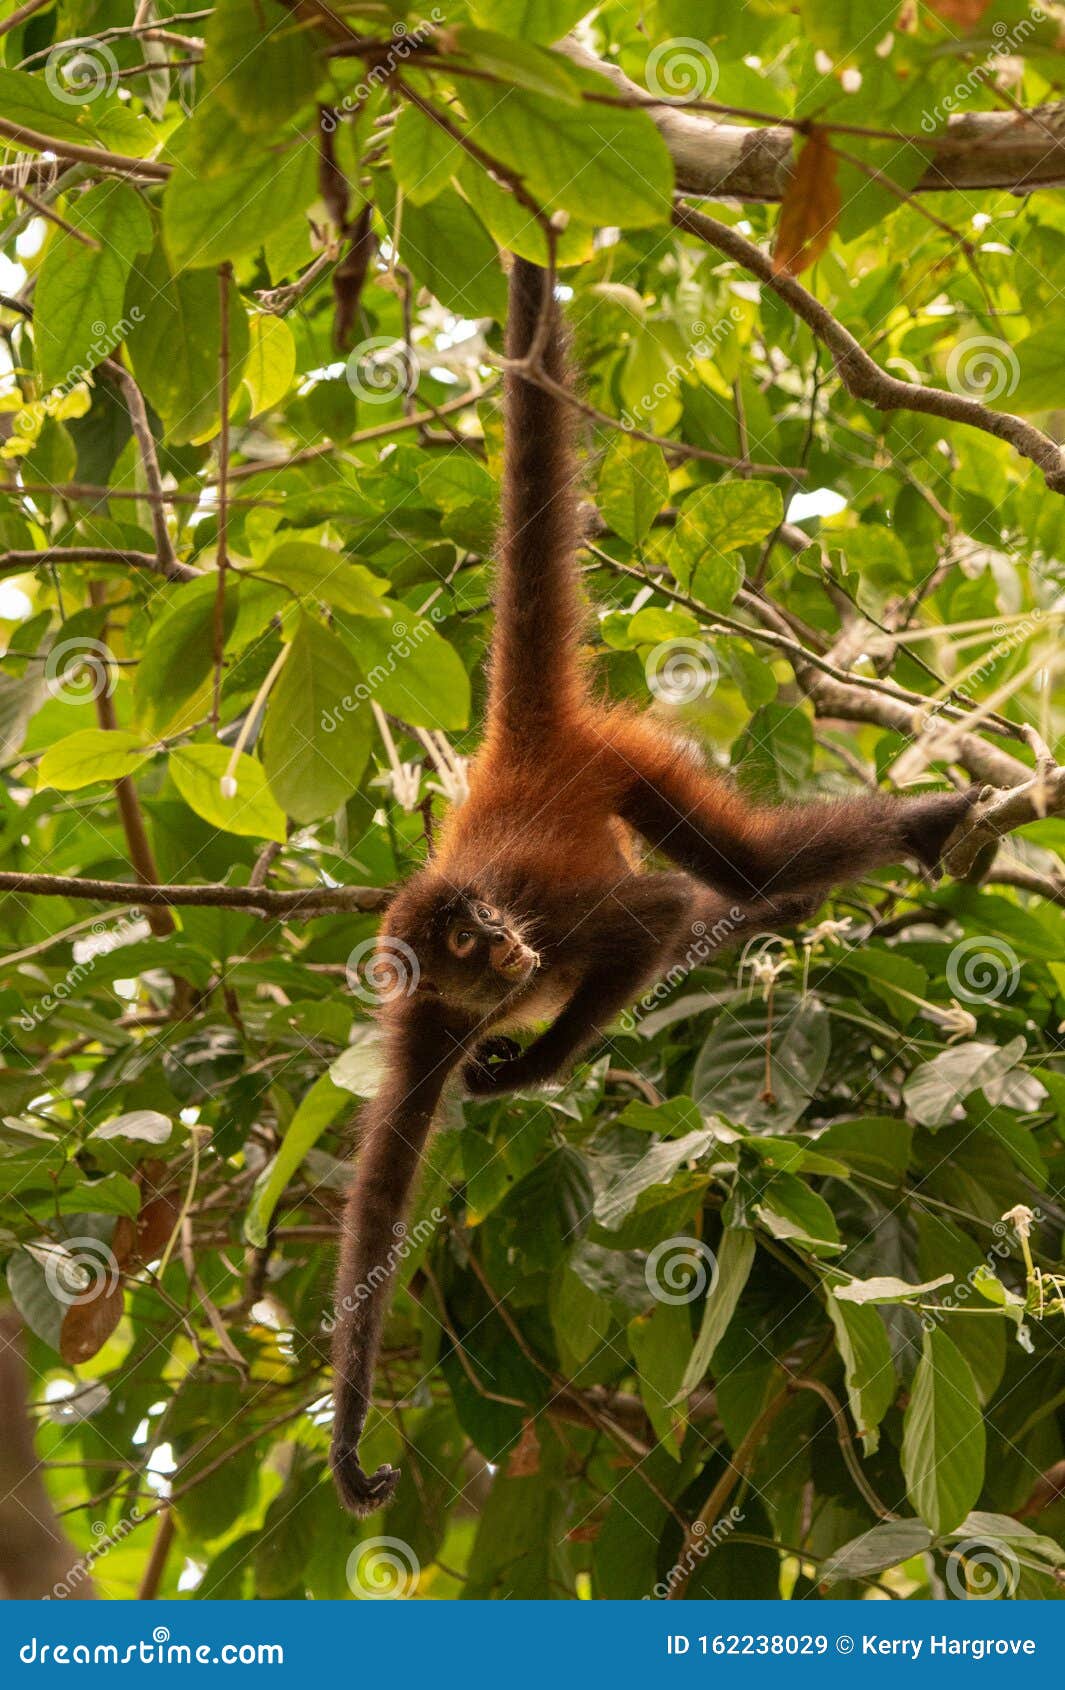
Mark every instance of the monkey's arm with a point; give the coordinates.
(422, 1051)
(748, 851)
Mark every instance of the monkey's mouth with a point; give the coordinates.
(516, 963)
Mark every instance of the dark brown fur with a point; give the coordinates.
(541, 863)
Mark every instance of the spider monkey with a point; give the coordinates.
(534, 904)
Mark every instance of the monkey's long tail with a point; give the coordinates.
(535, 675)
(394, 1135)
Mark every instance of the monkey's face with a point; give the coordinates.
(468, 950)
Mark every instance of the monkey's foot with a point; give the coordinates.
(362, 1493)
(930, 822)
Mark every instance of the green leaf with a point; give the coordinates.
(655, 1167)
(259, 63)
(409, 668)
(713, 523)
(934, 1090)
(600, 163)
(887, 1289)
(659, 1341)
(531, 20)
(449, 250)
(317, 733)
(943, 1437)
(81, 289)
(774, 754)
(314, 572)
(176, 658)
(114, 1194)
(791, 1210)
(91, 755)
(424, 157)
(1042, 369)
(869, 1372)
(633, 487)
(198, 772)
(211, 215)
(141, 1126)
(730, 1070)
(174, 343)
(271, 362)
(735, 1257)
(319, 1106)
(881, 1547)
(28, 101)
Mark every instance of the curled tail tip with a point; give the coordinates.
(362, 1493)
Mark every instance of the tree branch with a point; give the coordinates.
(138, 417)
(860, 374)
(715, 160)
(15, 563)
(313, 901)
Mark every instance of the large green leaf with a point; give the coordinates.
(89, 756)
(81, 288)
(321, 1105)
(231, 795)
(174, 343)
(316, 738)
(943, 1438)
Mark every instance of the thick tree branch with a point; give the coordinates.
(861, 375)
(314, 901)
(1020, 151)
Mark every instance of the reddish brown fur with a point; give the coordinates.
(542, 854)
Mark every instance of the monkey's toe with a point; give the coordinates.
(481, 1073)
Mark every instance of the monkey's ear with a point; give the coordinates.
(361, 1493)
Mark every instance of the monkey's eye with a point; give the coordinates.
(483, 913)
(461, 943)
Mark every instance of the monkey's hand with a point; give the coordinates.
(929, 822)
(487, 1070)
(361, 1493)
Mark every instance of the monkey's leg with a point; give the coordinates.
(749, 851)
(629, 937)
